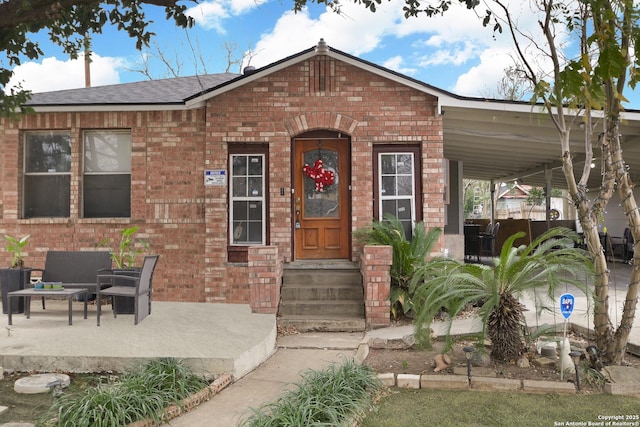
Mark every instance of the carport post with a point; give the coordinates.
(548, 174)
(492, 189)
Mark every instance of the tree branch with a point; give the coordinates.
(28, 12)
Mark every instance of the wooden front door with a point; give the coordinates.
(322, 225)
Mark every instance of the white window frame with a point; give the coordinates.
(261, 198)
(410, 198)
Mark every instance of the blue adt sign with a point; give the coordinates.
(566, 304)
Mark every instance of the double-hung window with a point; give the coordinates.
(247, 199)
(107, 174)
(397, 191)
(47, 174)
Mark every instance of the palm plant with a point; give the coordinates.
(549, 261)
(408, 256)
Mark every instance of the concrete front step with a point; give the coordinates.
(347, 308)
(319, 277)
(324, 292)
(323, 324)
(322, 295)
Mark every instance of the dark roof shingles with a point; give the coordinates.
(165, 91)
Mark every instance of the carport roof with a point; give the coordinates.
(494, 139)
(505, 141)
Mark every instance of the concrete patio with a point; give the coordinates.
(211, 338)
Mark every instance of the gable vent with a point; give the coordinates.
(321, 75)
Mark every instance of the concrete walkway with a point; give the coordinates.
(295, 355)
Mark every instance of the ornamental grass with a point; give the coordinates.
(335, 396)
(137, 395)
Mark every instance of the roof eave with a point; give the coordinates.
(85, 108)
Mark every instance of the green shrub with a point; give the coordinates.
(322, 398)
(140, 394)
(408, 256)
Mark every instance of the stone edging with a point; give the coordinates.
(189, 403)
(460, 382)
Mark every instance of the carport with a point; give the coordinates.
(503, 141)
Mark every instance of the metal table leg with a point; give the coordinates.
(70, 299)
(9, 309)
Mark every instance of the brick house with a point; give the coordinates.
(212, 170)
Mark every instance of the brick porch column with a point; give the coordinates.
(265, 278)
(375, 266)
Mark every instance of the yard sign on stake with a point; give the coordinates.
(566, 307)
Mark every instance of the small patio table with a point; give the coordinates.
(31, 292)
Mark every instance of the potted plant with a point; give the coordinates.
(16, 276)
(124, 256)
(124, 260)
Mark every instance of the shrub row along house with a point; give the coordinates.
(233, 179)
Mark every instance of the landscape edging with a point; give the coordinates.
(459, 382)
(190, 403)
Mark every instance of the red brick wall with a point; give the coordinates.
(265, 278)
(371, 109)
(167, 194)
(376, 279)
(186, 222)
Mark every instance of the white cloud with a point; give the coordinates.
(482, 79)
(455, 54)
(356, 31)
(396, 63)
(241, 6)
(53, 74)
(209, 15)
(212, 14)
(453, 39)
(498, 53)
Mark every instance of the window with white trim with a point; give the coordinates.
(47, 174)
(107, 174)
(397, 194)
(247, 199)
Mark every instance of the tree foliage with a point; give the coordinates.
(67, 23)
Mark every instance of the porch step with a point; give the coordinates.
(325, 324)
(322, 295)
(342, 273)
(348, 308)
(333, 291)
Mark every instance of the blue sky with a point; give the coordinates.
(453, 52)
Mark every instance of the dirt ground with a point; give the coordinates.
(419, 361)
(28, 407)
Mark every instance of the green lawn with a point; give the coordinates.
(406, 408)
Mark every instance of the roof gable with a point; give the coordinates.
(193, 91)
(516, 192)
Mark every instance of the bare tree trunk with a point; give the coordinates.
(615, 346)
(588, 220)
